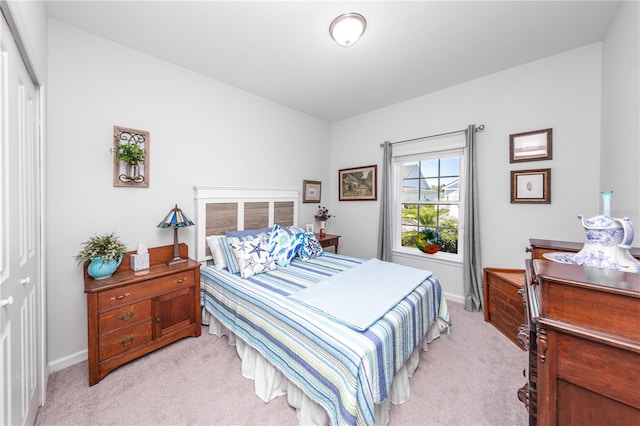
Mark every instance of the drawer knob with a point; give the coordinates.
(158, 319)
(122, 296)
(181, 280)
(127, 340)
(126, 316)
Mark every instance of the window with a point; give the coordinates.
(428, 189)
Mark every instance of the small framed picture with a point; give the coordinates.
(311, 191)
(309, 227)
(531, 146)
(531, 186)
(358, 184)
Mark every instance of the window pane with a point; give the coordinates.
(429, 168)
(450, 166)
(410, 169)
(431, 194)
(410, 191)
(450, 189)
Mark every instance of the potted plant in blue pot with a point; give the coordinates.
(103, 253)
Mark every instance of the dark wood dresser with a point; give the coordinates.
(583, 337)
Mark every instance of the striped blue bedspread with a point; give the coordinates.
(344, 370)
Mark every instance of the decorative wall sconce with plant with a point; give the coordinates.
(131, 152)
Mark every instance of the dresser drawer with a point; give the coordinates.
(125, 339)
(124, 316)
(145, 289)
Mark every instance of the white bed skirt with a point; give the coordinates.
(270, 383)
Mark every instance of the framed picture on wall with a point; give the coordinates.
(311, 190)
(358, 184)
(531, 186)
(531, 146)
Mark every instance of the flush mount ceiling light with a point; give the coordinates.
(346, 29)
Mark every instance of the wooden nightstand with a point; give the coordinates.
(329, 240)
(130, 315)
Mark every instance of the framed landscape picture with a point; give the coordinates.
(358, 184)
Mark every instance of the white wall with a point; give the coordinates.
(201, 132)
(562, 92)
(620, 148)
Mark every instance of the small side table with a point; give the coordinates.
(329, 240)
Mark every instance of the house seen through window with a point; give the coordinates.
(430, 189)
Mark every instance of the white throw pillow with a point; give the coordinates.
(216, 251)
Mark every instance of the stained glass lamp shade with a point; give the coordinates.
(176, 219)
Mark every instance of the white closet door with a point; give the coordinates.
(19, 237)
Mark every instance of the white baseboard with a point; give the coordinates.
(453, 297)
(68, 361)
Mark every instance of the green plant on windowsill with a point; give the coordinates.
(131, 153)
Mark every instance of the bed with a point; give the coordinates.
(332, 369)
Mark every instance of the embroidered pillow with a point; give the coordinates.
(213, 241)
(310, 247)
(283, 245)
(253, 257)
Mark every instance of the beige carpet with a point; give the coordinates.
(469, 377)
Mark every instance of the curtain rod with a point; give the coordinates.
(479, 128)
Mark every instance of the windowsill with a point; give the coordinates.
(439, 257)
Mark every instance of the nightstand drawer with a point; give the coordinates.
(123, 340)
(142, 290)
(124, 316)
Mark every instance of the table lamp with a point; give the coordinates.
(175, 219)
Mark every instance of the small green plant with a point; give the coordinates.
(105, 247)
(131, 153)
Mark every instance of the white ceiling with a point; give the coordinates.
(281, 50)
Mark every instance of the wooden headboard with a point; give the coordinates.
(220, 209)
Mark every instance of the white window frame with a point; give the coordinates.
(452, 146)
